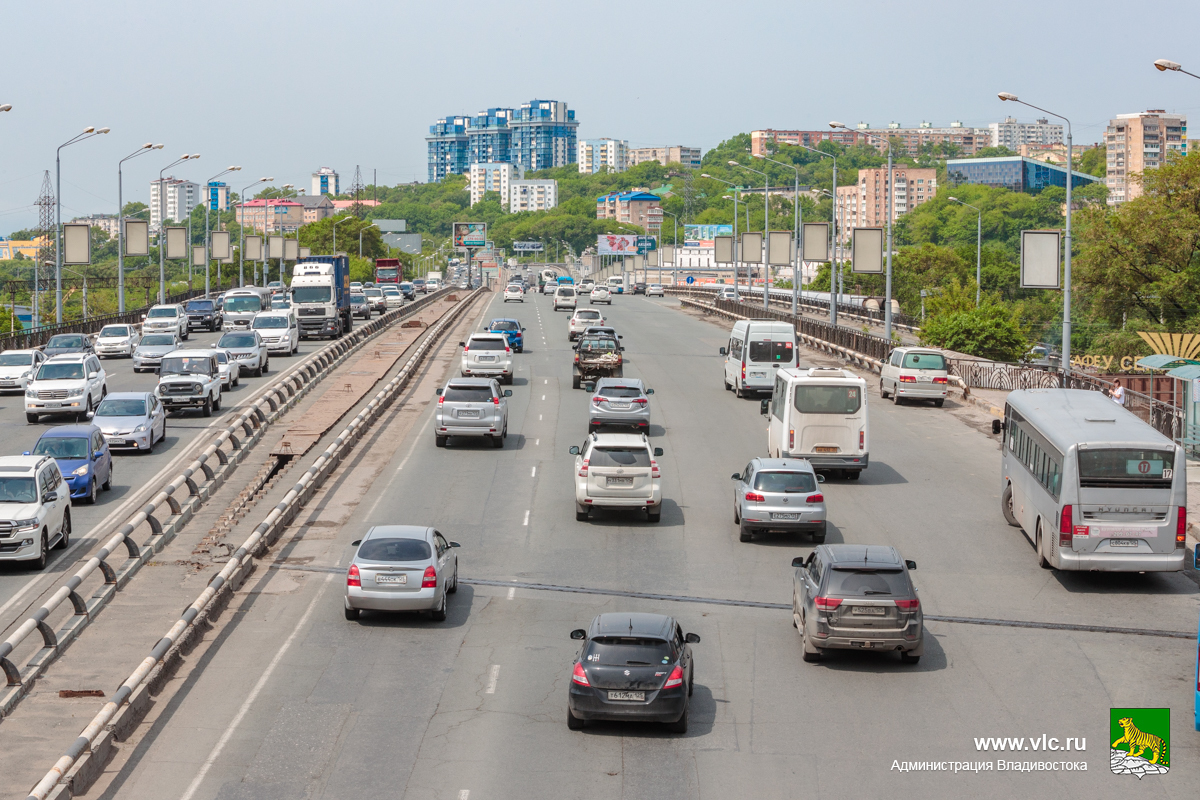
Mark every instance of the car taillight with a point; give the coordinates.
(579, 676)
(908, 605)
(441, 399)
(743, 370)
(816, 498)
(583, 470)
(862, 439)
(352, 577)
(908, 379)
(598, 400)
(654, 473)
(641, 401)
(507, 349)
(941, 380)
(828, 603)
(755, 497)
(1065, 527)
(675, 678)
(577, 358)
(429, 579)
(466, 349)
(1181, 528)
(791, 440)
(495, 401)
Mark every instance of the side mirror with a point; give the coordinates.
(96, 455)
(649, 391)
(574, 450)
(692, 638)
(508, 392)
(143, 317)
(93, 375)
(764, 406)
(622, 349)
(579, 633)
(455, 544)
(997, 426)
(462, 344)
(27, 453)
(356, 543)
(1196, 558)
(820, 479)
(910, 564)
(737, 476)
(439, 391)
(658, 451)
(522, 330)
(798, 561)
(50, 496)
(721, 351)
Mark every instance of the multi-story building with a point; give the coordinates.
(1013, 134)
(595, 155)
(217, 195)
(489, 139)
(676, 154)
(866, 203)
(760, 139)
(106, 222)
(315, 208)
(326, 181)
(26, 248)
(1013, 172)
(544, 135)
(538, 135)
(532, 195)
(272, 215)
(178, 198)
(1054, 153)
(909, 140)
(634, 207)
(449, 147)
(492, 176)
(1138, 142)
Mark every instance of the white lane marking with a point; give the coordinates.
(258, 687)
(416, 441)
(543, 397)
(526, 522)
(539, 417)
(545, 380)
(512, 592)
(493, 676)
(533, 472)
(536, 442)
(464, 794)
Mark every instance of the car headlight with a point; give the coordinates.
(160, 389)
(25, 524)
(25, 375)
(81, 471)
(197, 389)
(31, 393)
(141, 428)
(75, 392)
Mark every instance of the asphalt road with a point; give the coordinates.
(292, 700)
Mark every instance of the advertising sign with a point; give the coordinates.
(528, 247)
(198, 255)
(779, 248)
(291, 249)
(305, 252)
(816, 241)
(177, 244)
(275, 247)
(616, 244)
(704, 235)
(646, 243)
(137, 237)
(470, 234)
(219, 244)
(77, 244)
(1040, 253)
(752, 248)
(254, 248)
(866, 250)
(723, 249)
(652, 258)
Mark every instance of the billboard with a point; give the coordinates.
(305, 252)
(275, 247)
(291, 249)
(219, 244)
(1040, 259)
(176, 241)
(254, 248)
(470, 234)
(723, 249)
(779, 248)
(866, 250)
(704, 235)
(77, 244)
(137, 237)
(751, 249)
(528, 247)
(616, 244)
(816, 241)
(404, 242)
(198, 259)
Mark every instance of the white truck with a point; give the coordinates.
(321, 296)
(433, 275)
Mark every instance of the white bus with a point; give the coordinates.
(616, 284)
(1092, 485)
(819, 414)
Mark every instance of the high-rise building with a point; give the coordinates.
(594, 155)
(1138, 142)
(544, 135)
(676, 154)
(178, 198)
(449, 149)
(325, 181)
(217, 195)
(488, 137)
(1013, 134)
(106, 222)
(532, 195)
(538, 135)
(866, 203)
(634, 207)
(492, 176)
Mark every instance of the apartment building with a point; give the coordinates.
(866, 203)
(315, 208)
(1013, 134)
(272, 215)
(676, 154)
(106, 222)
(532, 195)
(907, 141)
(174, 197)
(1138, 142)
(759, 140)
(594, 155)
(326, 181)
(492, 177)
(634, 207)
(536, 135)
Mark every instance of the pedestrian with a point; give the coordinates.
(1118, 393)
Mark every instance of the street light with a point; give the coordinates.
(798, 259)
(736, 295)
(978, 246)
(674, 251)
(88, 133)
(141, 151)
(360, 233)
(279, 224)
(1066, 344)
(335, 224)
(242, 229)
(6, 107)
(162, 218)
(766, 230)
(207, 208)
(1162, 65)
(833, 288)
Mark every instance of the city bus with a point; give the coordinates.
(1092, 486)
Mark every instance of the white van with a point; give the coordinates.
(756, 349)
(819, 414)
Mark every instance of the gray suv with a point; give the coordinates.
(619, 401)
(778, 494)
(472, 407)
(856, 597)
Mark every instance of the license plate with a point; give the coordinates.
(53, 405)
(116, 441)
(825, 449)
(785, 516)
(627, 696)
(487, 358)
(759, 375)
(867, 611)
(1123, 542)
(391, 579)
(618, 405)
(468, 415)
(924, 379)
(620, 481)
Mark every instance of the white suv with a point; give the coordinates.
(617, 470)
(514, 291)
(565, 297)
(17, 368)
(170, 318)
(278, 330)
(581, 320)
(487, 355)
(190, 379)
(35, 512)
(68, 384)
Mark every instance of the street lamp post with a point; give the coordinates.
(1066, 344)
(674, 250)
(978, 247)
(766, 231)
(335, 224)
(833, 273)
(737, 298)
(162, 218)
(141, 151)
(242, 229)
(798, 259)
(88, 133)
(1162, 65)
(360, 233)
(207, 243)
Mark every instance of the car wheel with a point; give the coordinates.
(453, 588)
(909, 658)
(439, 613)
(581, 513)
(737, 389)
(882, 391)
(573, 722)
(744, 534)
(737, 517)
(440, 441)
(43, 558)
(258, 371)
(266, 366)
(938, 404)
(31, 418)
(575, 382)
(65, 540)
(1006, 507)
(819, 535)
(896, 396)
(107, 485)
(680, 725)
(1041, 553)
(207, 407)
(497, 442)
(87, 408)
(811, 654)
(351, 613)
(216, 403)
(93, 491)
(653, 516)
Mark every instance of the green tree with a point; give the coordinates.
(990, 330)
(1093, 161)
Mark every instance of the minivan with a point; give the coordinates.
(757, 349)
(819, 414)
(915, 373)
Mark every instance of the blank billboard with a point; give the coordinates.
(77, 244)
(752, 248)
(291, 249)
(137, 237)
(1040, 259)
(219, 244)
(177, 243)
(816, 241)
(198, 255)
(723, 249)
(779, 248)
(275, 247)
(866, 250)
(254, 248)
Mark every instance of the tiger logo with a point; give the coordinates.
(1139, 741)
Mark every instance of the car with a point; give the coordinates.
(619, 401)
(356, 287)
(779, 494)
(472, 407)
(248, 350)
(73, 385)
(632, 667)
(565, 297)
(190, 379)
(406, 289)
(655, 290)
(392, 295)
(83, 458)
(376, 298)
(35, 506)
(276, 287)
(231, 375)
(617, 471)
(203, 313)
(67, 343)
(169, 318)
(279, 330)
(280, 302)
(856, 597)
(915, 373)
(17, 367)
(419, 285)
(432, 285)
(601, 330)
(131, 420)
(152, 347)
(117, 340)
(600, 294)
(727, 293)
(487, 355)
(359, 307)
(586, 286)
(514, 292)
(549, 288)
(582, 319)
(512, 329)
(401, 568)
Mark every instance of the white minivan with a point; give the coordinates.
(820, 415)
(757, 349)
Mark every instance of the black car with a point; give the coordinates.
(66, 343)
(203, 314)
(406, 289)
(632, 667)
(639, 288)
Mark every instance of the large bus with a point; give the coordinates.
(1092, 485)
(388, 270)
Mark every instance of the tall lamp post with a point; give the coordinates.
(360, 233)
(335, 224)
(162, 218)
(207, 208)
(736, 292)
(1162, 65)
(978, 246)
(141, 151)
(242, 229)
(279, 224)
(798, 259)
(833, 288)
(1066, 344)
(88, 133)
(674, 251)
(766, 230)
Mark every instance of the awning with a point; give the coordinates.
(1164, 361)
(1186, 373)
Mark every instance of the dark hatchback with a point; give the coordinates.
(67, 343)
(632, 667)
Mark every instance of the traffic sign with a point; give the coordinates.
(690, 279)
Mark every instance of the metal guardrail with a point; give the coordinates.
(808, 300)
(241, 563)
(229, 447)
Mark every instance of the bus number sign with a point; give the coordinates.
(1144, 467)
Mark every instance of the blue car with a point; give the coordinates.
(512, 329)
(83, 458)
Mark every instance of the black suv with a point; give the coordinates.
(204, 314)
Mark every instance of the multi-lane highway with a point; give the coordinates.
(292, 700)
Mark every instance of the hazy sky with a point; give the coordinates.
(283, 88)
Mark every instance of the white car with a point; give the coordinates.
(619, 471)
(35, 506)
(69, 384)
(487, 355)
(565, 297)
(581, 320)
(655, 289)
(514, 291)
(17, 367)
(550, 288)
(169, 318)
(392, 295)
(117, 340)
(279, 330)
(586, 287)
(231, 374)
(601, 294)
(727, 293)
(190, 379)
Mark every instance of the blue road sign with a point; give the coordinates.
(690, 279)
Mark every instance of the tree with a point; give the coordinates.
(993, 152)
(1094, 161)
(990, 330)
(318, 236)
(24, 235)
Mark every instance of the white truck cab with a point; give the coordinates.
(819, 414)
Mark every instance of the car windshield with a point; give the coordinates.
(857, 582)
(619, 457)
(419, 282)
(114, 331)
(121, 407)
(311, 294)
(625, 651)
(587, 315)
(790, 482)
(236, 340)
(71, 340)
(504, 325)
(16, 359)
(619, 391)
(512, 287)
(394, 550)
(270, 322)
(17, 490)
(599, 345)
(828, 399)
(764, 351)
(186, 365)
(468, 394)
(392, 289)
(373, 292)
(243, 303)
(487, 344)
(60, 372)
(405, 286)
(200, 305)
(62, 447)
(358, 299)
(158, 339)
(385, 274)
(566, 291)
(1125, 467)
(163, 312)
(280, 302)
(924, 361)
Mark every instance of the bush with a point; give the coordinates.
(990, 331)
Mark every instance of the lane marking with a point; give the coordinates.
(543, 397)
(536, 442)
(512, 592)
(545, 380)
(526, 522)
(493, 676)
(464, 794)
(533, 472)
(539, 417)
(416, 441)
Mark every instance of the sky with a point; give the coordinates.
(283, 88)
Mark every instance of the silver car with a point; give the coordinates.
(778, 494)
(248, 350)
(619, 401)
(150, 351)
(131, 420)
(401, 568)
(117, 340)
(230, 376)
(856, 597)
(472, 407)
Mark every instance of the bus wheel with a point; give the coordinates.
(1042, 562)
(1006, 506)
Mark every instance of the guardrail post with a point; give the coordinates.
(48, 637)
(11, 674)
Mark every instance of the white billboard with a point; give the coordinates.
(77, 244)
(1040, 259)
(752, 248)
(137, 237)
(816, 241)
(219, 244)
(176, 242)
(254, 248)
(723, 249)
(779, 248)
(866, 250)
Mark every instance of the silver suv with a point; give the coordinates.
(619, 401)
(472, 407)
(778, 494)
(170, 318)
(190, 379)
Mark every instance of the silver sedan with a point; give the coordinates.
(247, 349)
(401, 568)
(131, 420)
(150, 351)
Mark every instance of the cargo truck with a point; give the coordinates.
(388, 270)
(321, 296)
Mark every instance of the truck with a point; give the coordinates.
(239, 306)
(388, 270)
(596, 356)
(433, 275)
(321, 296)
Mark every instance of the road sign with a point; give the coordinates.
(690, 279)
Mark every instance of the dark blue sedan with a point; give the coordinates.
(83, 458)
(512, 329)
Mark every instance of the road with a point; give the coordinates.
(291, 700)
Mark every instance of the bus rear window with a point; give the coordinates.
(767, 351)
(828, 399)
(1129, 467)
